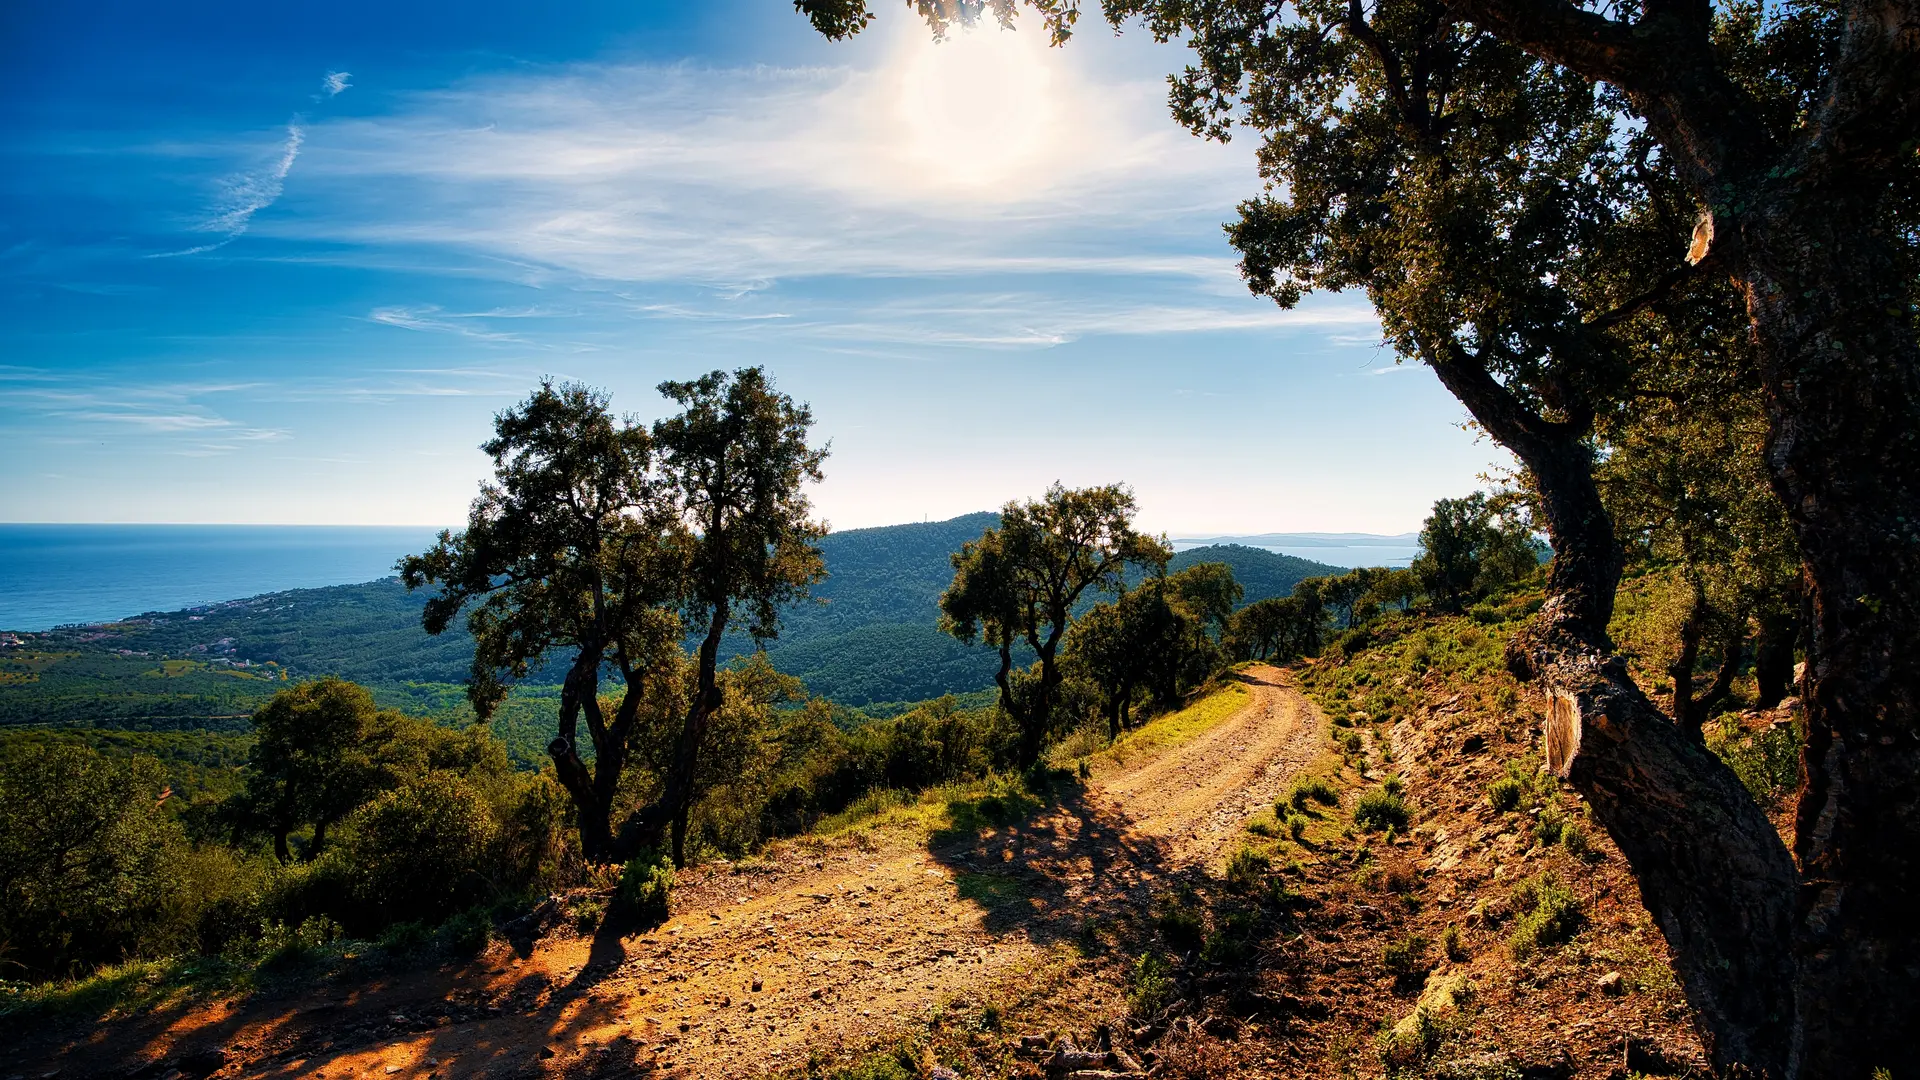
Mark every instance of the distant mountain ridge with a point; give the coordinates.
(870, 635)
(1340, 549)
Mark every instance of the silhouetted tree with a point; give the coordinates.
(601, 540)
(736, 462)
(1021, 580)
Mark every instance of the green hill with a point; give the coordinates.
(1261, 573)
(868, 637)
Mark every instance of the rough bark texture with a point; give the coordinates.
(1843, 380)
(1802, 228)
(1710, 866)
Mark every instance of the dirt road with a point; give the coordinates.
(817, 947)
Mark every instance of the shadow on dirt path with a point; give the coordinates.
(821, 946)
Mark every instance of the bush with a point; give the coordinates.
(1246, 868)
(1406, 958)
(1296, 825)
(1149, 985)
(1379, 810)
(646, 886)
(405, 939)
(1312, 789)
(1573, 837)
(1551, 915)
(1451, 944)
(419, 852)
(1767, 761)
(1505, 793)
(1351, 643)
(1406, 1044)
(88, 860)
(280, 945)
(1549, 827)
(467, 933)
(1230, 941)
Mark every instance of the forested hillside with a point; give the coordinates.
(869, 637)
(1262, 574)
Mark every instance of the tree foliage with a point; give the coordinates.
(1022, 579)
(85, 871)
(1472, 546)
(1522, 186)
(600, 540)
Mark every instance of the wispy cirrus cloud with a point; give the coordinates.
(245, 194)
(174, 416)
(431, 319)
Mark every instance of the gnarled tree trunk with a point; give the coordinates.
(1711, 869)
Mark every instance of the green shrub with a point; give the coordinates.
(1149, 985)
(1406, 1044)
(1573, 837)
(1394, 786)
(1549, 826)
(900, 1063)
(1766, 761)
(1180, 923)
(405, 938)
(467, 933)
(1406, 958)
(280, 945)
(419, 852)
(1246, 868)
(88, 860)
(1549, 915)
(1351, 742)
(1451, 944)
(1505, 793)
(1379, 810)
(646, 885)
(1296, 825)
(1312, 789)
(1230, 941)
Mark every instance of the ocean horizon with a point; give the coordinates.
(57, 575)
(60, 575)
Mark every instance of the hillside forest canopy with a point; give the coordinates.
(1665, 254)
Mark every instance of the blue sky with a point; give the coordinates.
(282, 262)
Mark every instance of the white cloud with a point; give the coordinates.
(989, 155)
(336, 81)
(431, 319)
(157, 422)
(245, 194)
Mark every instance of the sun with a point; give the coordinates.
(976, 110)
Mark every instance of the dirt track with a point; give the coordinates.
(763, 963)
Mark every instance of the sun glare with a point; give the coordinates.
(975, 109)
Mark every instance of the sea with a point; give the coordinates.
(1333, 549)
(58, 575)
(55, 575)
